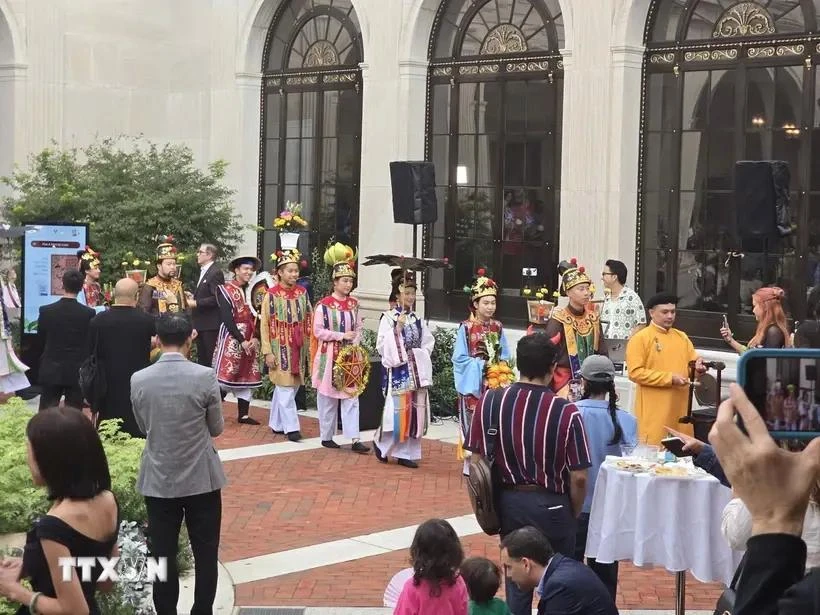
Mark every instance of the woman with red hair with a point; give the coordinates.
(772, 332)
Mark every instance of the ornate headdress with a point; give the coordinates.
(482, 286)
(285, 257)
(89, 259)
(407, 280)
(343, 260)
(166, 249)
(572, 275)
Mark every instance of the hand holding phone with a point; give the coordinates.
(675, 446)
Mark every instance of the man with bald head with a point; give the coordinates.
(121, 337)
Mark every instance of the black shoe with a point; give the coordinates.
(407, 463)
(294, 436)
(330, 444)
(378, 454)
(246, 420)
(278, 433)
(360, 448)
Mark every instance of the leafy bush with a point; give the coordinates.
(129, 191)
(443, 394)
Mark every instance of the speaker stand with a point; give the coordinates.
(415, 240)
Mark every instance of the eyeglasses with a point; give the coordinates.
(608, 273)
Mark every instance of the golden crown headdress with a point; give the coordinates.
(166, 249)
(285, 257)
(572, 275)
(90, 257)
(482, 286)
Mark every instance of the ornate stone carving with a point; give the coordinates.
(321, 53)
(505, 38)
(744, 19)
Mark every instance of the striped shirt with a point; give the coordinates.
(541, 437)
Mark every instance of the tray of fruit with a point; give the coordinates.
(499, 375)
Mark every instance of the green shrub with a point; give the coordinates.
(443, 394)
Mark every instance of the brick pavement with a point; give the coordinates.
(362, 583)
(279, 502)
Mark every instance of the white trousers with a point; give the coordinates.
(328, 417)
(246, 394)
(283, 415)
(410, 449)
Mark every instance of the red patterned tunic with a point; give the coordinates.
(235, 367)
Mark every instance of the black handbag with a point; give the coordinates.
(726, 603)
(92, 378)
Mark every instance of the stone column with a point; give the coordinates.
(249, 92)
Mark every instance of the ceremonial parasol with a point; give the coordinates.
(408, 263)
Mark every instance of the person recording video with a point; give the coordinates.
(772, 581)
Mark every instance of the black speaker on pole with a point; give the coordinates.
(414, 192)
(762, 199)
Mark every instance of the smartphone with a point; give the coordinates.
(725, 322)
(675, 446)
(777, 382)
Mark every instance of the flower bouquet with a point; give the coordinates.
(540, 303)
(498, 373)
(289, 222)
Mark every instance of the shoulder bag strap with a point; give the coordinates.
(492, 433)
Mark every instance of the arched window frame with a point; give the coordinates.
(738, 53)
(288, 24)
(446, 295)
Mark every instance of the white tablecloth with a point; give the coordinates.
(661, 521)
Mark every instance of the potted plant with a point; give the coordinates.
(135, 268)
(289, 223)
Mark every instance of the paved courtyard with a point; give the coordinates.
(304, 526)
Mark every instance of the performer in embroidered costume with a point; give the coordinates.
(470, 353)
(92, 293)
(164, 292)
(12, 369)
(287, 320)
(336, 323)
(575, 329)
(405, 345)
(236, 358)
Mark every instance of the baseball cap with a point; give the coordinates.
(597, 368)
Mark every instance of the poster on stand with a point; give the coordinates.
(49, 250)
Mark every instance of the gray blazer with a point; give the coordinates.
(178, 406)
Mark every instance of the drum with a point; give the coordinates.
(351, 370)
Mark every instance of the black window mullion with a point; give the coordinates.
(674, 191)
(283, 138)
(498, 191)
(452, 187)
(318, 149)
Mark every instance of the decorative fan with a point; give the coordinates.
(393, 591)
(351, 370)
(256, 290)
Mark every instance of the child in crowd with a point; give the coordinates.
(483, 578)
(436, 587)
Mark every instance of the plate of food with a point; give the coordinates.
(672, 471)
(633, 466)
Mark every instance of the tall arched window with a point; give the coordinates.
(312, 120)
(726, 81)
(495, 91)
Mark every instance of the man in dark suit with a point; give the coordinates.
(205, 312)
(566, 586)
(63, 328)
(121, 337)
(176, 404)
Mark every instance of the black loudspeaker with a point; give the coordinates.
(414, 192)
(762, 199)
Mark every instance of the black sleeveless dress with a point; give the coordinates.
(35, 565)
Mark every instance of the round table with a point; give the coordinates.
(666, 521)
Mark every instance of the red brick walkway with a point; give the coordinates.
(280, 502)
